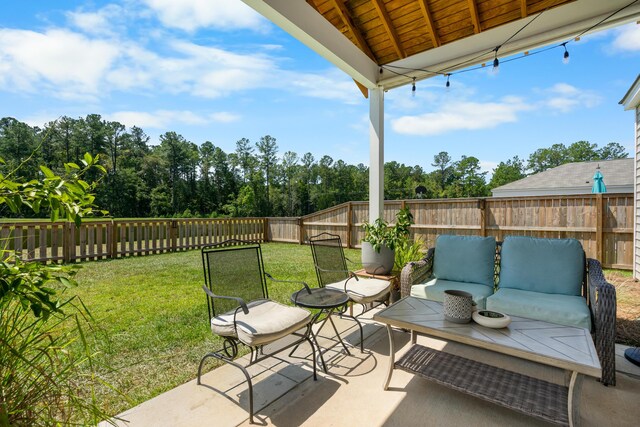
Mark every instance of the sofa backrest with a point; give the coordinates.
(551, 266)
(465, 259)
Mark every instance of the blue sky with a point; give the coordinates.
(217, 71)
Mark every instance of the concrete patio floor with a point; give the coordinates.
(351, 393)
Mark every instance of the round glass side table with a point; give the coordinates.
(326, 301)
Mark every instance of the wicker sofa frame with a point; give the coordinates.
(600, 296)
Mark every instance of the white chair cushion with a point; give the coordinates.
(363, 290)
(266, 322)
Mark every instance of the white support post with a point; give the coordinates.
(376, 153)
(636, 196)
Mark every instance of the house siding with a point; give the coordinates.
(636, 246)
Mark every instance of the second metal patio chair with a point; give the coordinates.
(240, 310)
(332, 272)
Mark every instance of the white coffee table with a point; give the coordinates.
(564, 347)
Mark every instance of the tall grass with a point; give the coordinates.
(45, 369)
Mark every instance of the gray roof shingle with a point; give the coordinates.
(577, 177)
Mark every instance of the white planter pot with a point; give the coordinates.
(377, 262)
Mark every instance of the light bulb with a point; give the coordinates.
(565, 58)
(496, 65)
(413, 88)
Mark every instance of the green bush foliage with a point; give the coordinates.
(43, 381)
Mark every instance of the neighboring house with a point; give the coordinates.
(631, 102)
(573, 178)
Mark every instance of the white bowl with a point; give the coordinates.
(491, 319)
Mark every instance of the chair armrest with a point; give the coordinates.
(602, 302)
(240, 301)
(416, 272)
(289, 281)
(350, 274)
(349, 261)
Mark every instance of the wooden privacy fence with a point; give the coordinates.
(603, 223)
(64, 242)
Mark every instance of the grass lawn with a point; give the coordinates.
(151, 316)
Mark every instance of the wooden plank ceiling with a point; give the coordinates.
(389, 30)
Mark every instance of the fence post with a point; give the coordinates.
(173, 234)
(300, 230)
(113, 248)
(349, 224)
(599, 227)
(265, 229)
(66, 242)
(482, 205)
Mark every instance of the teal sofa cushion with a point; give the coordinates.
(551, 266)
(568, 310)
(465, 259)
(434, 290)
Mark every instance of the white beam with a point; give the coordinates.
(376, 153)
(308, 26)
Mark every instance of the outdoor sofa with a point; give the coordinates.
(542, 279)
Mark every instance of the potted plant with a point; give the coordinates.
(380, 242)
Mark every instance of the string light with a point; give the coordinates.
(496, 61)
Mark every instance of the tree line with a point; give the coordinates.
(180, 178)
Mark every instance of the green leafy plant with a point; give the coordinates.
(380, 234)
(68, 196)
(44, 379)
(408, 251)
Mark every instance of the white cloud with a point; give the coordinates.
(565, 98)
(102, 21)
(272, 47)
(330, 85)
(227, 71)
(225, 117)
(159, 119)
(39, 119)
(460, 115)
(627, 38)
(488, 166)
(72, 65)
(66, 63)
(190, 15)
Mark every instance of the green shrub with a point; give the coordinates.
(380, 234)
(407, 251)
(42, 380)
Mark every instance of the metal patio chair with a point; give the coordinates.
(332, 272)
(240, 310)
